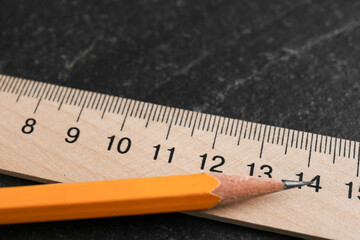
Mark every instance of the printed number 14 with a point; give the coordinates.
(315, 180)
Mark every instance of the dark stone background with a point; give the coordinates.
(287, 63)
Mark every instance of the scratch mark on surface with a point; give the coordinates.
(185, 69)
(82, 55)
(348, 27)
(287, 53)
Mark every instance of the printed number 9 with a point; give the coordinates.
(73, 134)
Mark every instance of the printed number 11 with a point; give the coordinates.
(171, 155)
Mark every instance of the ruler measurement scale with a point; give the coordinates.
(199, 142)
(12, 85)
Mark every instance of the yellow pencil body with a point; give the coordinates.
(53, 202)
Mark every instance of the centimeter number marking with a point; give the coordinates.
(238, 129)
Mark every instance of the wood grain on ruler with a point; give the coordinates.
(52, 133)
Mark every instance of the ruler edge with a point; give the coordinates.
(202, 214)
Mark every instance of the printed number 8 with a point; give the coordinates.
(29, 126)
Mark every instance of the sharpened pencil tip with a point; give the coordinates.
(293, 184)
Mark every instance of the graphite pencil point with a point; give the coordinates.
(293, 184)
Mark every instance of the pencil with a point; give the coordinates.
(65, 201)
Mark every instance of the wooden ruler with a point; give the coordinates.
(51, 133)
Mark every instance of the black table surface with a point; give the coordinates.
(292, 64)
